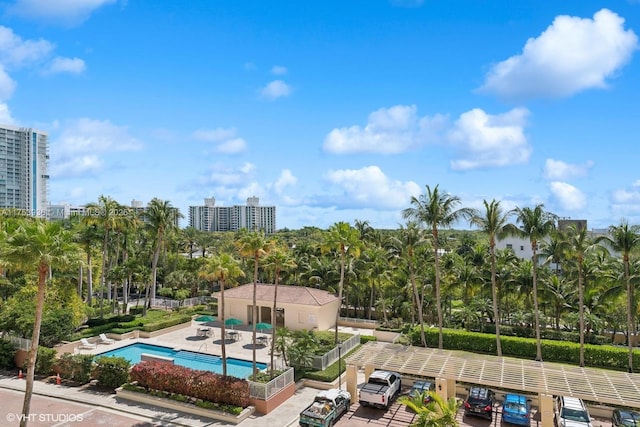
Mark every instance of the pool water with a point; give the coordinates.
(190, 359)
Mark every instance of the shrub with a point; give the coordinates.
(136, 310)
(111, 371)
(45, 360)
(76, 367)
(366, 338)
(7, 354)
(156, 326)
(203, 385)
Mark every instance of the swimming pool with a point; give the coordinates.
(190, 359)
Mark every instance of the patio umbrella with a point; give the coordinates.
(263, 325)
(232, 321)
(205, 318)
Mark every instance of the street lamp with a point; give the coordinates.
(339, 365)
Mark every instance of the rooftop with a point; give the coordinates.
(286, 294)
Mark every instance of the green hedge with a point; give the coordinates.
(7, 354)
(601, 356)
(166, 323)
(76, 367)
(111, 371)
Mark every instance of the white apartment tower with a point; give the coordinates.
(24, 182)
(251, 216)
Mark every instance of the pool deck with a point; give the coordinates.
(188, 339)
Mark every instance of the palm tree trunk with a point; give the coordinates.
(89, 280)
(254, 315)
(423, 339)
(534, 260)
(581, 311)
(273, 321)
(494, 295)
(43, 270)
(629, 314)
(223, 330)
(80, 280)
(340, 290)
(438, 296)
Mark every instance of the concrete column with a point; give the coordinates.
(352, 382)
(546, 408)
(446, 388)
(368, 370)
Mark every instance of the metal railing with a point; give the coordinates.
(350, 320)
(322, 362)
(265, 390)
(170, 303)
(20, 343)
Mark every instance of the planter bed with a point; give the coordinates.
(183, 407)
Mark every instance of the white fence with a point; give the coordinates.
(320, 363)
(20, 343)
(170, 303)
(367, 323)
(265, 390)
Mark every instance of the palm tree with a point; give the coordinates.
(436, 209)
(577, 245)
(437, 413)
(278, 259)
(160, 218)
(535, 224)
(407, 245)
(41, 245)
(252, 244)
(223, 268)
(624, 239)
(493, 223)
(341, 237)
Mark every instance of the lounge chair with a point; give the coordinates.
(85, 344)
(104, 340)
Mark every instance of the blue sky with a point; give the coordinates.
(332, 110)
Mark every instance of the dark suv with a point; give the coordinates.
(480, 402)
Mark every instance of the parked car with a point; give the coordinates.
(326, 408)
(480, 402)
(380, 390)
(422, 387)
(516, 409)
(572, 412)
(625, 418)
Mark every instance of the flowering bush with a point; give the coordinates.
(203, 385)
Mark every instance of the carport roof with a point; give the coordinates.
(591, 384)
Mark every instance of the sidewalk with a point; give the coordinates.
(283, 416)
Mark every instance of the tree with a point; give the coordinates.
(493, 223)
(577, 245)
(535, 224)
(277, 260)
(253, 245)
(160, 218)
(342, 237)
(223, 268)
(40, 245)
(435, 210)
(624, 239)
(437, 413)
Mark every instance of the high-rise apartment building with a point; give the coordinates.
(24, 182)
(251, 216)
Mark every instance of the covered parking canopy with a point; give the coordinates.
(545, 378)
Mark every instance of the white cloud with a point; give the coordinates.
(66, 65)
(276, 89)
(64, 11)
(16, 52)
(568, 196)
(279, 70)
(286, 179)
(215, 135)
(559, 170)
(7, 85)
(388, 131)
(626, 201)
(571, 55)
(224, 138)
(5, 114)
(232, 146)
(76, 150)
(486, 140)
(370, 187)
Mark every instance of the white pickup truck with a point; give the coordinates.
(381, 389)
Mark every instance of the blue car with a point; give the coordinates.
(516, 409)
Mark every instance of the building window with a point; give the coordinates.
(509, 246)
(522, 248)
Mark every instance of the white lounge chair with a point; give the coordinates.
(104, 340)
(85, 344)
